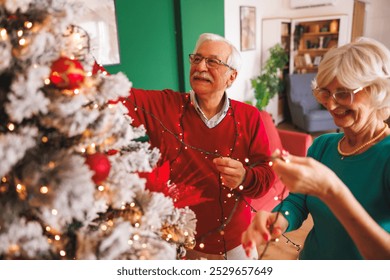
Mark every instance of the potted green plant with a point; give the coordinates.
(270, 82)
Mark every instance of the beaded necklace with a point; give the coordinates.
(344, 154)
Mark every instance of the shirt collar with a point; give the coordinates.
(215, 120)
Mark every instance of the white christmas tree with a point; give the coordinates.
(69, 157)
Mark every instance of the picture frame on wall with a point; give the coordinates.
(247, 28)
(100, 22)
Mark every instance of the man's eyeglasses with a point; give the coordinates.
(342, 97)
(210, 62)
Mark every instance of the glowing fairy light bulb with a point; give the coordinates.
(57, 237)
(54, 212)
(20, 188)
(62, 253)
(22, 42)
(44, 189)
(101, 188)
(28, 24)
(3, 33)
(11, 126)
(201, 245)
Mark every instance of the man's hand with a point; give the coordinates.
(232, 171)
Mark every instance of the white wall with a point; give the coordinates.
(377, 20)
(241, 89)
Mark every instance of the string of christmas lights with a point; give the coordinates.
(237, 195)
(64, 193)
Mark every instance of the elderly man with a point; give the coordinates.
(212, 144)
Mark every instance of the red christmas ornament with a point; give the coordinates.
(182, 195)
(67, 73)
(101, 166)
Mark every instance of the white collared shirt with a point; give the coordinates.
(215, 120)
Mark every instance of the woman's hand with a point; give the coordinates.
(265, 227)
(306, 176)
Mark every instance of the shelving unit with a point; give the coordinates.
(312, 38)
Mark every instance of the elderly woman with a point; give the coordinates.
(344, 183)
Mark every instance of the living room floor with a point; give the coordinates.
(284, 249)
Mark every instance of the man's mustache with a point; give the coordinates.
(202, 75)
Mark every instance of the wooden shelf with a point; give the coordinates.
(303, 51)
(313, 37)
(318, 34)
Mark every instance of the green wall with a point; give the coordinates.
(147, 43)
(156, 36)
(199, 16)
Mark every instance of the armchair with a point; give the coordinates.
(306, 112)
(294, 142)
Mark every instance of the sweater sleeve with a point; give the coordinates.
(294, 207)
(259, 175)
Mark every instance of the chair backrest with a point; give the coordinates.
(272, 132)
(268, 202)
(299, 90)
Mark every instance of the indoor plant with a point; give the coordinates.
(270, 82)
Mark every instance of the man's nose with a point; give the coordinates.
(202, 65)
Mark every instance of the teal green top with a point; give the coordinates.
(368, 177)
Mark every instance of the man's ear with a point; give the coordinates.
(232, 78)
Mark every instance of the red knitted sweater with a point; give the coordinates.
(240, 135)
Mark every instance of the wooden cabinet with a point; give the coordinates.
(312, 38)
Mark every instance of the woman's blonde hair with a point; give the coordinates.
(362, 63)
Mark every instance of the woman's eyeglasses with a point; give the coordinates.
(342, 97)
